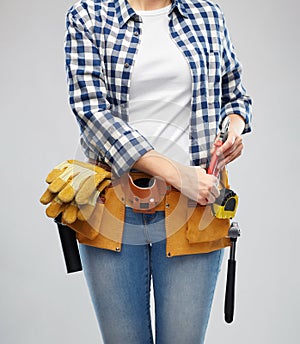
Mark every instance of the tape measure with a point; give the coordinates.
(226, 204)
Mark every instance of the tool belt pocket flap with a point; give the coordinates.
(106, 221)
(112, 221)
(89, 228)
(202, 226)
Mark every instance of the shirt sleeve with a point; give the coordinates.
(234, 97)
(110, 138)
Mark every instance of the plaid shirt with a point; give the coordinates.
(101, 43)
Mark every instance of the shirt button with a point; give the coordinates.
(126, 65)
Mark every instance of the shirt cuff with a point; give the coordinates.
(125, 151)
(238, 108)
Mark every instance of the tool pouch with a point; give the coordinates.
(202, 224)
(105, 228)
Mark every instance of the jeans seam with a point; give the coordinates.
(216, 272)
(152, 275)
(147, 294)
(146, 232)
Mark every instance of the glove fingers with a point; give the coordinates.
(59, 183)
(55, 208)
(104, 185)
(47, 197)
(89, 187)
(68, 193)
(73, 180)
(69, 214)
(86, 210)
(66, 177)
(53, 175)
(57, 171)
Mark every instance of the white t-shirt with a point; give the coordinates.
(161, 88)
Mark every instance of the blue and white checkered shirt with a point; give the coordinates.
(101, 44)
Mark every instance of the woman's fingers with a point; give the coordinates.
(231, 149)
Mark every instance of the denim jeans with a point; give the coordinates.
(119, 284)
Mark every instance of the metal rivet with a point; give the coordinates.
(126, 65)
(169, 254)
(118, 249)
(167, 205)
(151, 200)
(136, 33)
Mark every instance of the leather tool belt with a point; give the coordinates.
(94, 206)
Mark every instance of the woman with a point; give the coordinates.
(136, 69)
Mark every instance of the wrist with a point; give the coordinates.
(237, 123)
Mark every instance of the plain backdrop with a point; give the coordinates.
(39, 302)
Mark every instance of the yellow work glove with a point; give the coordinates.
(58, 170)
(73, 189)
(69, 211)
(86, 209)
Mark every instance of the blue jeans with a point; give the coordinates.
(119, 284)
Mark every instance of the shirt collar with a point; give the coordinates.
(125, 12)
(178, 4)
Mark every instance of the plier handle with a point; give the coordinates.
(213, 166)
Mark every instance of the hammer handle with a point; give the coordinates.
(69, 247)
(229, 296)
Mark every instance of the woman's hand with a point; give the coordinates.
(233, 146)
(196, 184)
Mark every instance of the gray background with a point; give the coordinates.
(39, 302)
